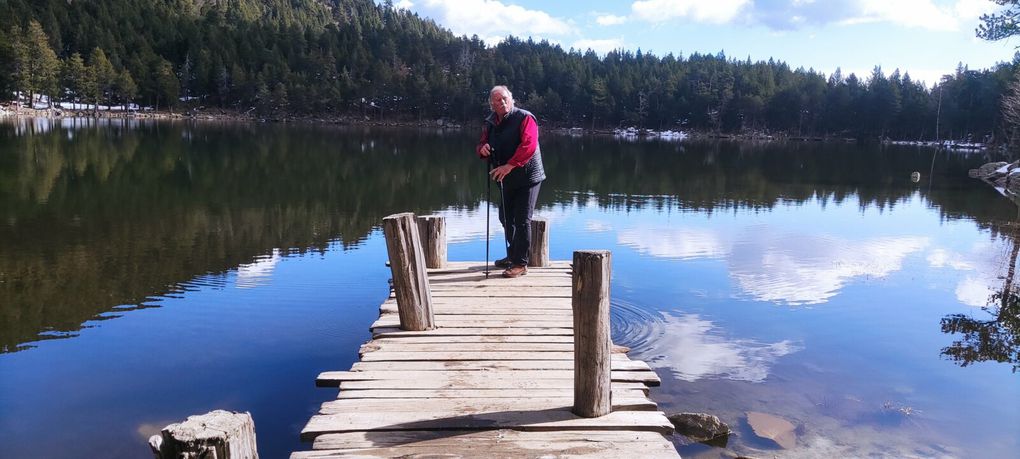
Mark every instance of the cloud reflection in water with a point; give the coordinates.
(692, 348)
(784, 268)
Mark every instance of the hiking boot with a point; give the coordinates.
(503, 263)
(515, 271)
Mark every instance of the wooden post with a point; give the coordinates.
(216, 434)
(432, 229)
(407, 264)
(592, 343)
(539, 254)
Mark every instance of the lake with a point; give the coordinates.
(154, 270)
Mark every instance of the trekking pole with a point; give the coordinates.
(488, 212)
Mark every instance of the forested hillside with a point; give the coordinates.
(354, 57)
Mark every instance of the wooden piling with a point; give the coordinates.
(592, 342)
(217, 434)
(539, 254)
(432, 229)
(407, 265)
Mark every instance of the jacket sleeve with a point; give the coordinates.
(528, 145)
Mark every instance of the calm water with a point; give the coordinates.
(153, 271)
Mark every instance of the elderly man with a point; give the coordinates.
(510, 141)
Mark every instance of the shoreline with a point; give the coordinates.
(628, 134)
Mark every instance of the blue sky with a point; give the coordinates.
(926, 38)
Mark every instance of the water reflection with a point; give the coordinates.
(772, 263)
(225, 232)
(258, 272)
(693, 348)
(995, 334)
(800, 268)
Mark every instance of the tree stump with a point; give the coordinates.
(592, 342)
(217, 434)
(538, 256)
(432, 229)
(407, 265)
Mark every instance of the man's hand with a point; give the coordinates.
(485, 151)
(500, 172)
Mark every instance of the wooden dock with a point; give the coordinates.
(494, 379)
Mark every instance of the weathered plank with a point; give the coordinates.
(475, 339)
(395, 332)
(501, 443)
(333, 378)
(541, 420)
(492, 365)
(461, 266)
(446, 347)
(510, 321)
(518, 394)
(633, 402)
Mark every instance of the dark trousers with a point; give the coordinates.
(515, 214)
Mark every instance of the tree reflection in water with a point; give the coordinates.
(997, 339)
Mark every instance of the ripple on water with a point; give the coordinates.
(691, 347)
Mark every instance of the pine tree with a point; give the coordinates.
(74, 77)
(104, 77)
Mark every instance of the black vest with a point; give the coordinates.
(504, 139)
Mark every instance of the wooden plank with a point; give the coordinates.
(490, 365)
(446, 347)
(461, 355)
(629, 403)
(544, 307)
(476, 266)
(541, 420)
(518, 394)
(475, 339)
(333, 378)
(492, 382)
(490, 355)
(526, 281)
(394, 332)
(374, 346)
(525, 322)
(502, 443)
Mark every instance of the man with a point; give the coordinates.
(510, 141)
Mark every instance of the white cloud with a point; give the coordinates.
(609, 19)
(985, 262)
(673, 243)
(718, 11)
(794, 14)
(783, 268)
(798, 269)
(909, 13)
(492, 20)
(599, 46)
(973, 9)
(692, 349)
(404, 5)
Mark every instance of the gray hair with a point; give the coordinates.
(502, 89)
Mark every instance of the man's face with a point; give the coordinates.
(501, 103)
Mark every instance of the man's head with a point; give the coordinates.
(501, 101)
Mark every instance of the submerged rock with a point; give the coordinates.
(773, 428)
(699, 427)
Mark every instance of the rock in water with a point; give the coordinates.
(699, 426)
(773, 428)
(987, 171)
